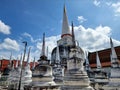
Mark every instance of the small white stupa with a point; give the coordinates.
(14, 76)
(88, 69)
(100, 76)
(42, 78)
(114, 80)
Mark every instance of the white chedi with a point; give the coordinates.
(14, 75)
(42, 76)
(75, 76)
(114, 80)
(26, 75)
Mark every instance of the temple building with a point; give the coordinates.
(105, 58)
(4, 63)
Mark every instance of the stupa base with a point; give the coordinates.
(107, 87)
(76, 88)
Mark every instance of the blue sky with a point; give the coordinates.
(26, 20)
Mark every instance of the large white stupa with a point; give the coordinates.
(76, 77)
(72, 58)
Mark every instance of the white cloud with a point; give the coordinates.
(28, 35)
(4, 55)
(5, 29)
(116, 7)
(94, 39)
(108, 3)
(31, 38)
(96, 2)
(81, 19)
(9, 44)
(104, 30)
